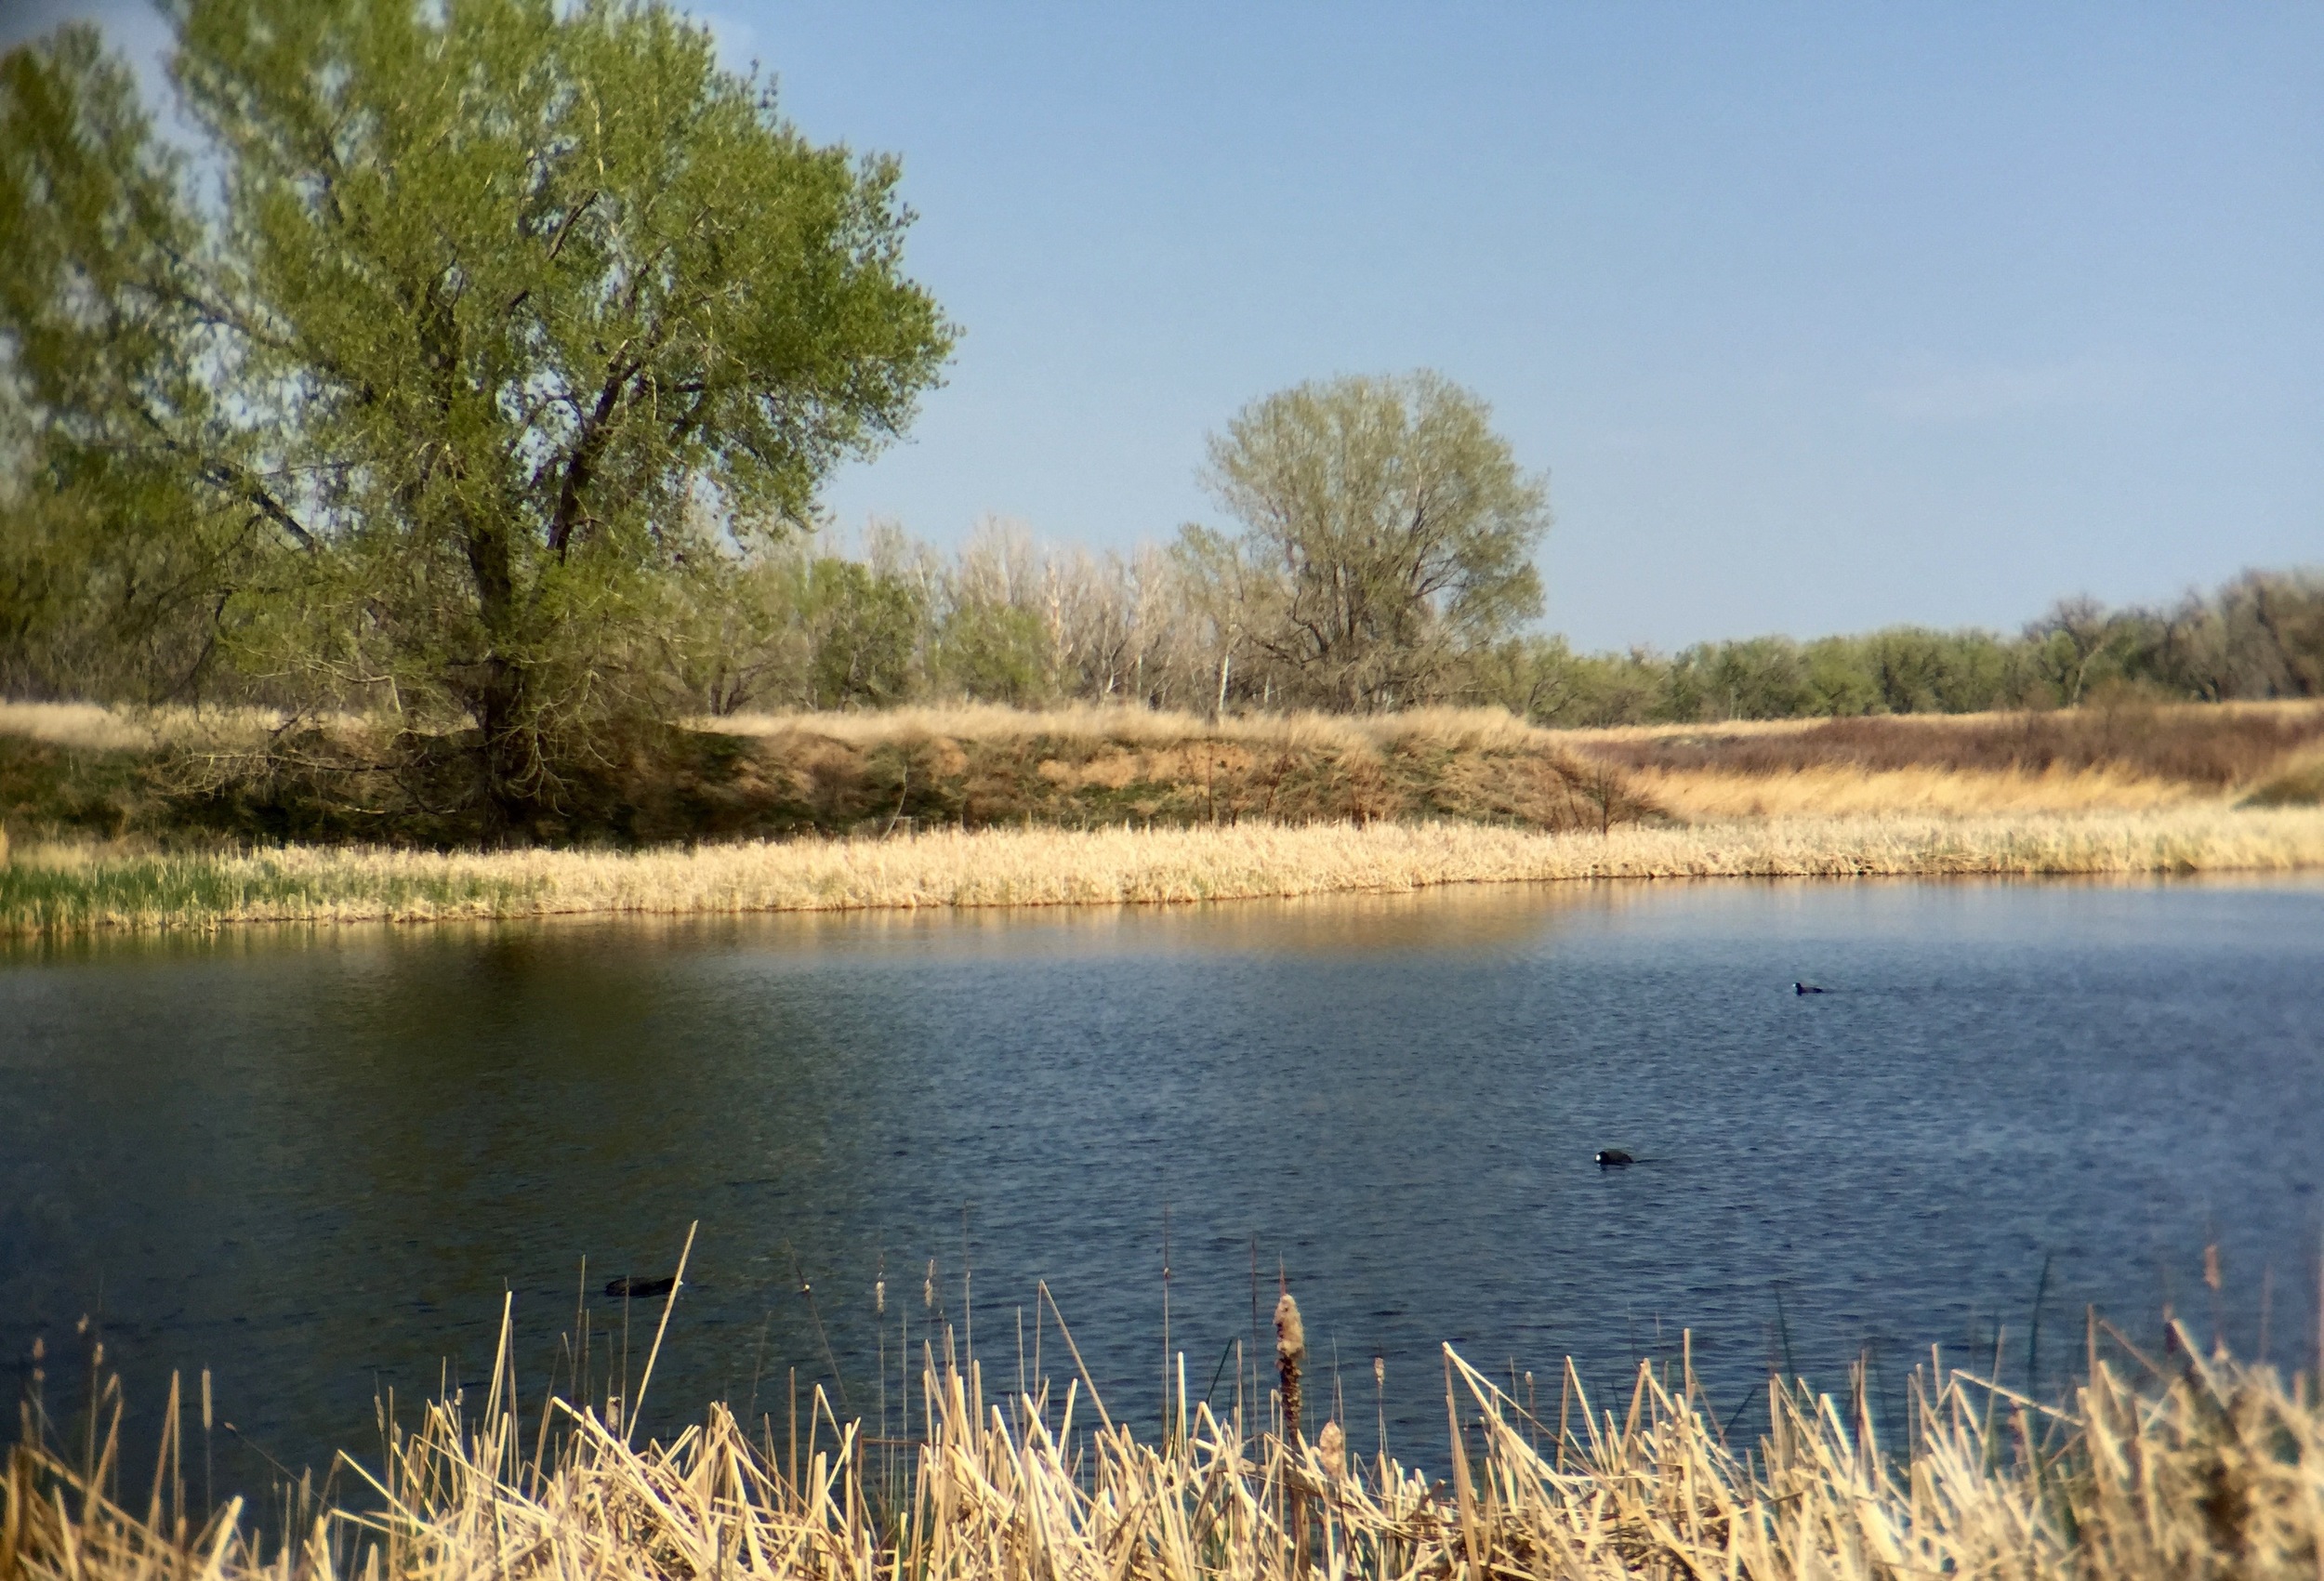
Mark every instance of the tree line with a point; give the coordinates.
(1005, 619)
(2259, 636)
(805, 624)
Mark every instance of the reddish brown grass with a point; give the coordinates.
(2214, 746)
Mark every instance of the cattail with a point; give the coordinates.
(2211, 1267)
(1290, 1355)
(928, 1291)
(1331, 1448)
(879, 1297)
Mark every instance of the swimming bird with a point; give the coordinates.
(634, 1286)
(1614, 1158)
(1808, 988)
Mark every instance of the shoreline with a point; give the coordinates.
(64, 891)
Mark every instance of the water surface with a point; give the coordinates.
(315, 1162)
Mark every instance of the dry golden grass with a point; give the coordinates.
(89, 726)
(2294, 710)
(101, 727)
(1452, 728)
(2117, 757)
(2296, 782)
(2205, 1470)
(976, 767)
(78, 889)
(1834, 790)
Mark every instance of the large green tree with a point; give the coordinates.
(467, 330)
(1388, 529)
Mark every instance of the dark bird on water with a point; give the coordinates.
(642, 1286)
(1614, 1158)
(1808, 988)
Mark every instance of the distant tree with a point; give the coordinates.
(996, 639)
(995, 653)
(865, 628)
(1387, 528)
(497, 300)
(739, 639)
(1840, 683)
(1758, 677)
(2276, 621)
(2069, 644)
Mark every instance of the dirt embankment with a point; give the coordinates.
(816, 774)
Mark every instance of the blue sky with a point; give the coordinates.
(1819, 317)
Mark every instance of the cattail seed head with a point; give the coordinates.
(1379, 1372)
(1291, 1351)
(1331, 1448)
(879, 1297)
(928, 1291)
(1290, 1333)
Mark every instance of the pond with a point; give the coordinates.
(315, 1162)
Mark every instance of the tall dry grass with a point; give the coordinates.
(90, 727)
(82, 889)
(2197, 1469)
(1446, 729)
(2119, 758)
(1835, 790)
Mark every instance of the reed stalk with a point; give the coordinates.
(2202, 1468)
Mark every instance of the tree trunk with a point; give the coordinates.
(508, 745)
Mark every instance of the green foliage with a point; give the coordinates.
(1914, 670)
(864, 630)
(1764, 678)
(500, 302)
(1386, 529)
(115, 549)
(994, 652)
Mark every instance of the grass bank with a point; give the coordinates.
(2116, 757)
(68, 890)
(2197, 1469)
(172, 778)
(76, 771)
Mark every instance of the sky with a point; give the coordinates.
(1818, 317)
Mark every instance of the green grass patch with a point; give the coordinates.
(200, 890)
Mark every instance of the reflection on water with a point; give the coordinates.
(315, 1162)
